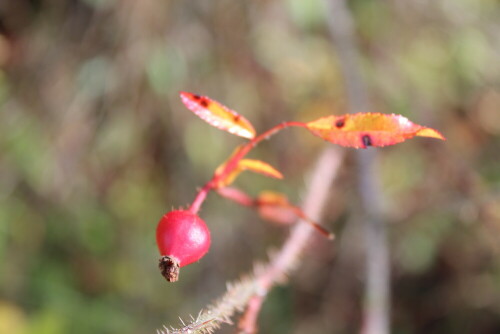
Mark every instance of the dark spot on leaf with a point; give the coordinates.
(196, 97)
(367, 140)
(340, 123)
(236, 118)
(204, 103)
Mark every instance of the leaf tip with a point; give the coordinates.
(431, 133)
(185, 95)
(248, 134)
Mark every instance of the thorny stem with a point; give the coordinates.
(288, 257)
(233, 162)
(258, 283)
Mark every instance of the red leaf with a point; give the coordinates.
(218, 115)
(368, 129)
(272, 206)
(275, 207)
(236, 195)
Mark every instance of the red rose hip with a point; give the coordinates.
(182, 238)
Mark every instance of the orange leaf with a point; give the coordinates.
(226, 180)
(218, 115)
(244, 164)
(275, 207)
(368, 129)
(272, 198)
(261, 167)
(222, 166)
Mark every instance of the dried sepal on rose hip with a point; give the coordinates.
(182, 238)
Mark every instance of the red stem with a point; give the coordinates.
(200, 197)
(233, 162)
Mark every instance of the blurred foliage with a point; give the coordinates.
(95, 146)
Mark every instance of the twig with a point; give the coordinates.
(248, 322)
(377, 294)
(257, 284)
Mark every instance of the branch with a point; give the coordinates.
(377, 292)
(257, 284)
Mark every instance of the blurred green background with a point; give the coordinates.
(95, 146)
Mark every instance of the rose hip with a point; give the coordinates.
(182, 238)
